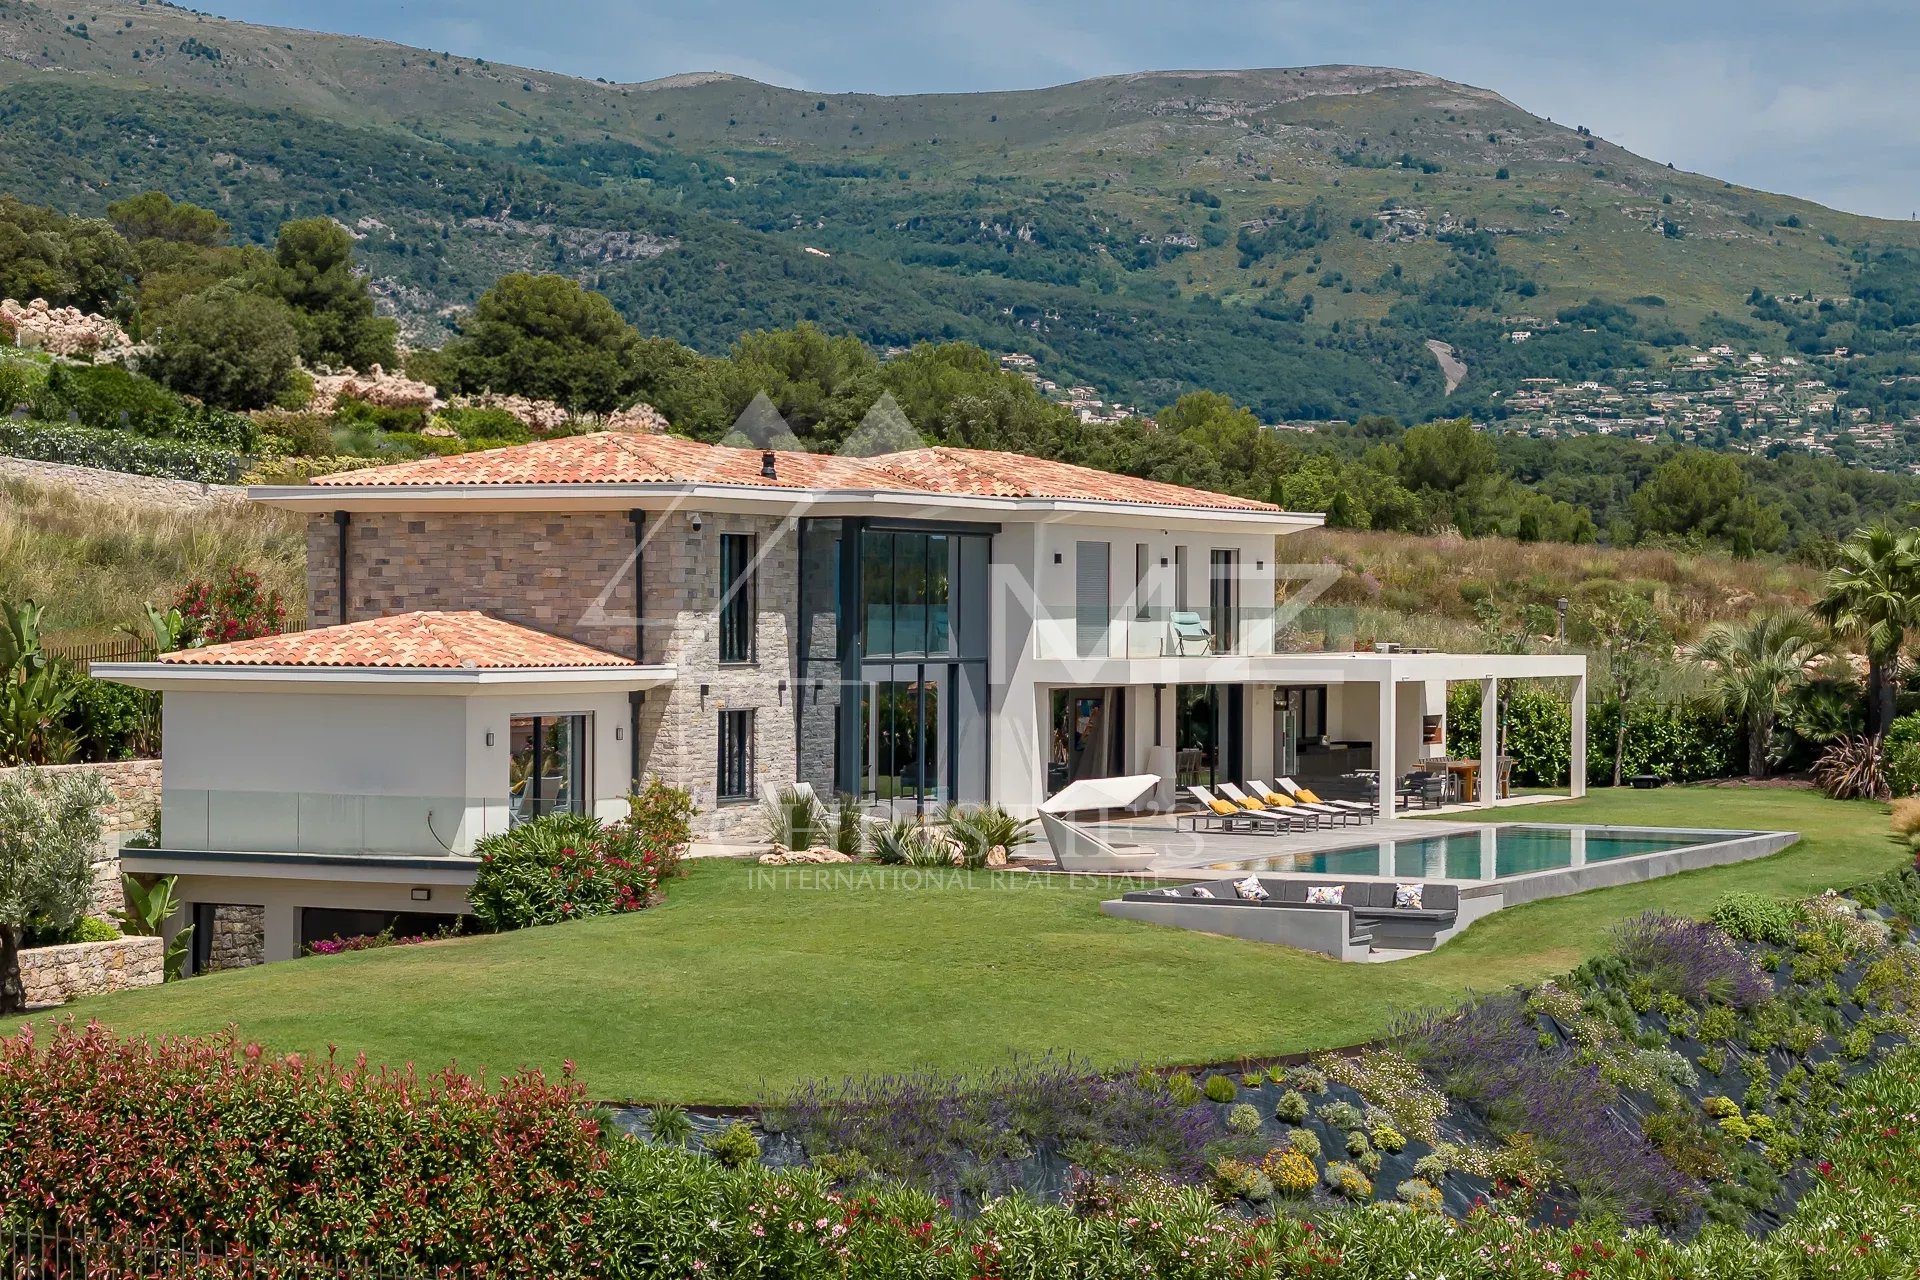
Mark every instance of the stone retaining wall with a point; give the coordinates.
(119, 486)
(55, 975)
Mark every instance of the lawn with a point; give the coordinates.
(734, 985)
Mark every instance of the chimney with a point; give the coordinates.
(766, 465)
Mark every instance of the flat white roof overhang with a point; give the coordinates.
(404, 681)
(790, 503)
(1307, 668)
(358, 868)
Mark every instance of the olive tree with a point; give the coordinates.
(50, 825)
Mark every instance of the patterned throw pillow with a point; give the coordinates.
(1326, 895)
(1250, 889)
(1169, 893)
(1201, 891)
(1407, 896)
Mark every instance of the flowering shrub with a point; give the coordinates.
(235, 609)
(1291, 1171)
(216, 1143)
(338, 945)
(662, 816)
(565, 866)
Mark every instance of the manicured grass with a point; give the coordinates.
(734, 985)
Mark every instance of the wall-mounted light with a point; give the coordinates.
(1163, 562)
(1259, 564)
(1056, 557)
(783, 693)
(819, 687)
(422, 895)
(619, 733)
(489, 737)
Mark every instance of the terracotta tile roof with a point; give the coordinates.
(625, 459)
(995, 474)
(427, 639)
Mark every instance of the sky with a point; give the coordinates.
(1811, 99)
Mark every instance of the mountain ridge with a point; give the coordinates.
(1294, 237)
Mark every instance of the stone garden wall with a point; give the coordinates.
(134, 787)
(120, 486)
(55, 975)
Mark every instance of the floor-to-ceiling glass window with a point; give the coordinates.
(1223, 600)
(1087, 735)
(913, 726)
(1209, 726)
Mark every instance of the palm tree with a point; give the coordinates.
(1873, 595)
(1755, 665)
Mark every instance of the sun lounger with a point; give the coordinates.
(1312, 813)
(1077, 849)
(1301, 795)
(1227, 815)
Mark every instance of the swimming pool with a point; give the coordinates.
(1488, 853)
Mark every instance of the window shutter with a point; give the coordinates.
(1092, 613)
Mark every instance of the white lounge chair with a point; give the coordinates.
(1296, 812)
(1291, 789)
(1076, 849)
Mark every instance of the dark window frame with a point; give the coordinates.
(739, 592)
(734, 781)
(579, 766)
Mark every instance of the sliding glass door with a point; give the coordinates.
(547, 766)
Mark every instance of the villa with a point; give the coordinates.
(498, 635)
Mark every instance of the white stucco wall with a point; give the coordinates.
(320, 772)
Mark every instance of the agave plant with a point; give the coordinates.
(1853, 769)
(849, 828)
(794, 818)
(983, 828)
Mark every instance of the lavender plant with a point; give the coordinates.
(949, 1133)
(1690, 958)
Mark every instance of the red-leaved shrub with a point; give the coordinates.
(216, 1144)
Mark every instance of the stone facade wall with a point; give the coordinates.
(118, 486)
(680, 727)
(572, 574)
(55, 975)
(134, 788)
(239, 937)
(545, 570)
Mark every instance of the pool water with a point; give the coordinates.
(1490, 853)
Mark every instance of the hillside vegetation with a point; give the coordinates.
(93, 563)
(1290, 237)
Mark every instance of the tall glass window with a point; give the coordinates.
(547, 766)
(735, 780)
(737, 605)
(906, 589)
(1223, 599)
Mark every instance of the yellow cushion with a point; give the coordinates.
(1279, 801)
(1251, 805)
(1307, 796)
(1221, 807)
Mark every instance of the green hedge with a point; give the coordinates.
(107, 397)
(1679, 741)
(121, 451)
